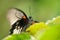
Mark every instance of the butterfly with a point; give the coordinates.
(18, 20)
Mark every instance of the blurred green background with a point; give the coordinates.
(41, 10)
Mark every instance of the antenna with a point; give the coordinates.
(30, 17)
(30, 10)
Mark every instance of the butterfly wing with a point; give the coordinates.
(15, 14)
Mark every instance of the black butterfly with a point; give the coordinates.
(18, 18)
